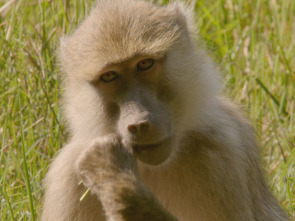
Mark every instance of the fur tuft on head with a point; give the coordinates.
(139, 28)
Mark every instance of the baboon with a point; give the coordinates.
(152, 138)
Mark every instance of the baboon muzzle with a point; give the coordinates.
(145, 127)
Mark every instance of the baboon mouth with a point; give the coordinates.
(150, 146)
(147, 147)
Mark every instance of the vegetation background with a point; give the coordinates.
(252, 41)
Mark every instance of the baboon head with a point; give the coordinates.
(137, 74)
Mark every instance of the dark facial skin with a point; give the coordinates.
(143, 119)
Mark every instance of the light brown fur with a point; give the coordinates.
(159, 144)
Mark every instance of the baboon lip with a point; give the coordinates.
(147, 146)
(150, 146)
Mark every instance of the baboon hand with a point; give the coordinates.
(106, 162)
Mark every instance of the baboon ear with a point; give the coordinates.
(186, 15)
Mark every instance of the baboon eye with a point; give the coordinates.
(109, 76)
(145, 64)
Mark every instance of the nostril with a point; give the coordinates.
(132, 128)
(141, 127)
(144, 126)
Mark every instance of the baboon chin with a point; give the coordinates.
(152, 138)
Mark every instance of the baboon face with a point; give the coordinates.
(133, 88)
(129, 59)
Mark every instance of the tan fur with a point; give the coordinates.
(159, 144)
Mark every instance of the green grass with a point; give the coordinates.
(252, 40)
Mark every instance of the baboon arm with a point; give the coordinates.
(110, 173)
(129, 202)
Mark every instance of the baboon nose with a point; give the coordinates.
(141, 127)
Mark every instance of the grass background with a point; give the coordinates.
(252, 40)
